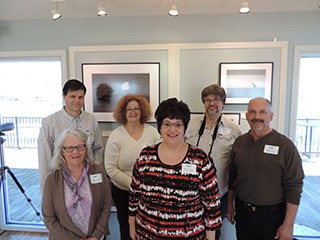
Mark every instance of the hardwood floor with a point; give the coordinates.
(12, 235)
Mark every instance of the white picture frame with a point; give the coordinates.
(106, 83)
(244, 81)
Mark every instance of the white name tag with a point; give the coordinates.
(189, 169)
(96, 178)
(270, 149)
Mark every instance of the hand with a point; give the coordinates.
(284, 232)
(210, 235)
(230, 213)
(132, 227)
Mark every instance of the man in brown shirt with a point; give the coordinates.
(265, 179)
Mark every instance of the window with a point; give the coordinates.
(30, 90)
(307, 140)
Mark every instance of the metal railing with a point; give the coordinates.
(27, 129)
(308, 136)
(25, 132)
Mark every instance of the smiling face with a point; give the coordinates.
(213, 105)
(133, 111)
(74, 101)
(259, 116)
(172, 131)
(74, 150)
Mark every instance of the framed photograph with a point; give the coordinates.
(106, 83)
(244, 81)
(233, 117)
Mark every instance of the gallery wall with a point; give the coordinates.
(185, 69)
(181, 67)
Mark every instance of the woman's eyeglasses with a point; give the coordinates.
(70, 149)
(176, 125)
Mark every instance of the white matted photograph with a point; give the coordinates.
(244, 81)
(232, 116)
(107, 83)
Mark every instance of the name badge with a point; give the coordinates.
(96, 178)
(270, 149)
(188, 168)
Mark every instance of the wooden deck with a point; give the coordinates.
(12, 235)
(22, 212)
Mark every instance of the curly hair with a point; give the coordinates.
(121, 108)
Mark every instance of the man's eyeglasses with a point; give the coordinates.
(212, 100)
(176, 125)
(136, 109)
(70, 149)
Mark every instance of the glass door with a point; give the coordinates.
(30, 90)
(307, 140)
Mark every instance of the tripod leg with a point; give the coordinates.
(1, 176)
(22, 191)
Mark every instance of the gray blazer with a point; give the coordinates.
(54, 211)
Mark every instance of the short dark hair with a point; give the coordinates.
(216, 90)
(73, 85)
(173, 109)
(119, 112)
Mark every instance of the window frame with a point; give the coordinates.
(59, 55)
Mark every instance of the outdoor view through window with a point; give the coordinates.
(308, 143)
(30, 90)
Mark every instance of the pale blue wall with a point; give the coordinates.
(295, 28)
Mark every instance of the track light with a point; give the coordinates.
(102, 9)
(174, 10)
(101, 12)
(244, 8)
(55, 12)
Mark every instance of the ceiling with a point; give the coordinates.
(41, 9)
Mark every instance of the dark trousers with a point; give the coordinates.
(224, 202)
(121, 201)
(258, 222)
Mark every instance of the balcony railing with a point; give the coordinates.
(27, 129)
(308, 136)
(25, 132)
